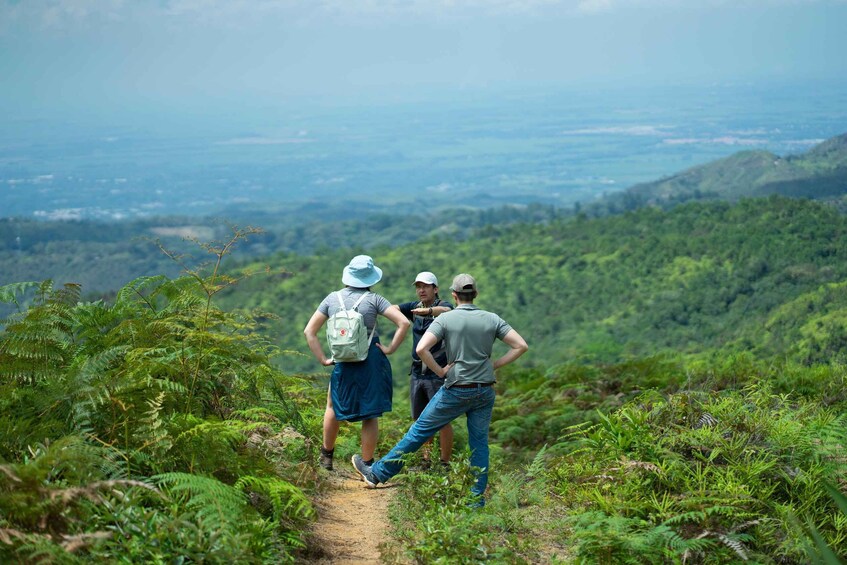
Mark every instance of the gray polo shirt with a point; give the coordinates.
(469, 335)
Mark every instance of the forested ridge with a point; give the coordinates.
(683, 399)
(103, 256)
(701, 279)
(820, 173)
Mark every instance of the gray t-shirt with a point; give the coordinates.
(369, 307)
(469, 335)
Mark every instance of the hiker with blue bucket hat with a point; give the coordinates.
(360, 388)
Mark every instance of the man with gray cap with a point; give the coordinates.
(424, 383)
(469, 334)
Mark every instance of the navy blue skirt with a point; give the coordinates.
(362, 390)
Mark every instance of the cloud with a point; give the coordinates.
(255, 140)
(594, 6)
(48, 15)
(637, 130)
(724, 140)
(66, 14)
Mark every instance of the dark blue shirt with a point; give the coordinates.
(419, 326)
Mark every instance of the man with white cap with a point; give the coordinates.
(469, 334)
(424, 383)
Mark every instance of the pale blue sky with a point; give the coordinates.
(55, 53)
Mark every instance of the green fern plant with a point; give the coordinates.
(289, 505)
(158, 387)
(720, 468)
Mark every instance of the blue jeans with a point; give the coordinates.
(447, 405)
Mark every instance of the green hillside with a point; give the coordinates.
(821, 173)
(103, 256)
(698, 279)
(683, 401)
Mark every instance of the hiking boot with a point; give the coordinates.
(325, 458)
(365, 471)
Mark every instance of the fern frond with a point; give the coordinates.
(538, 467)
(9, 293)
(102, 361)
(80, 541)
(230, 431)
(10, 473)
(209, 497)
(9, 535)
(289, 503)
(68, 295)
(92, 491)
(256, 414)
(734, 545)
(45, 289)
(645, 465)
(696, 516)
(166, 385)
(134, 291)
(706, 420)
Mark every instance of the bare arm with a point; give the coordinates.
(435, 311)
(426, 343)
(517, 347)
(311, 332)
(394, 314)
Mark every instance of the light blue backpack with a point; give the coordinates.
(347, 334)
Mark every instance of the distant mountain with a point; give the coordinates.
(819, 174)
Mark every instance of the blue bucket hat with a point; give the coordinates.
(361, 272)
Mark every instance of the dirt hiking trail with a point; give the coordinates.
(352, 520)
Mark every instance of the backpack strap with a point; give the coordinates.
(356, 305)
(376, 321)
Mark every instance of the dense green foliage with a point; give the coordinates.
(102, 257)
(721, 476)
(151, 427)
(700, 279)
(652, 461)
(683, 400)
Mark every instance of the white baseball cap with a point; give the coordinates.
(427, 278)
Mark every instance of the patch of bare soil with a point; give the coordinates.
(352, 521)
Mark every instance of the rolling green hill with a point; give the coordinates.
(699, 279)
(102, 256)
(821, 173)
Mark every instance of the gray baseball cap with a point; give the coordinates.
(463, 283)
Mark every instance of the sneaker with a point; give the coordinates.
(368, 463)
(365, 471)
(325, 458)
